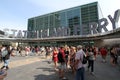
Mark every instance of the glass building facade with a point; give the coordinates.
(79, 17)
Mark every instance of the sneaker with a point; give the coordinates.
(7, 67)
(49, 62)
(3, 67)
(56, 69)
(68, 67)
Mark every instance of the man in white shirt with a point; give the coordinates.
(80, 70)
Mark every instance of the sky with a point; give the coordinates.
(14, 14)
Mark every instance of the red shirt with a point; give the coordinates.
(103, 51)
(63, 53)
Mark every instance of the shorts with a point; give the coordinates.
(62, 66)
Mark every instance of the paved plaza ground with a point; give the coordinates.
(37, 68)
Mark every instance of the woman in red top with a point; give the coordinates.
(55, 58)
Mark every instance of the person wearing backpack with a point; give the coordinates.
(80, 70)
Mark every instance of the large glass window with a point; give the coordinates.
(63, 19)
(30, 24)
(73, 19)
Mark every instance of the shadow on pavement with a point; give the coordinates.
(50, 74)
(47, 69)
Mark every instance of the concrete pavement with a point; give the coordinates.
(39, 69)
(19, 61)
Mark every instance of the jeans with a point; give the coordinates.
(6, 62)
(91, 64)
(80, 74)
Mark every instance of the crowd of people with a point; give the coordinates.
(72, 59)
(64, 57)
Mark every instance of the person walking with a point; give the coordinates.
(91, 60)
(67, 55)
(62, 67)
(103, 52)
(80, 70)
(6, 53)
(55, 58)
(114, 56)
(72, 58)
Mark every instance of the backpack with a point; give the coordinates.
(4, 53)
(60, 57)
(84, 61)
(85, 58)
